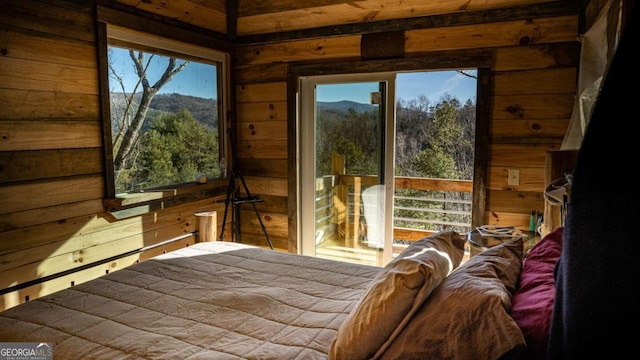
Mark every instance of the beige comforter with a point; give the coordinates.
(216, 300)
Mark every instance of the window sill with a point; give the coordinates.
(137, 203)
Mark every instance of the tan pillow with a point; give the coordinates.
(467, 316)
(395, 294)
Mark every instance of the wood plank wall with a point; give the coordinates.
(533, 85)
(52, 217)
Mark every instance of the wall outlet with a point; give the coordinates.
(513, 177)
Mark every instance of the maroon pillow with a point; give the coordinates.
(533, 301)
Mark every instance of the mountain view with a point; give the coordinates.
(344, 106)
(432, 139)
(203, 110)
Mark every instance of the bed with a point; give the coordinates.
(224, 300)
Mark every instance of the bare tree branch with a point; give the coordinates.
(132, 132)
(463, 72)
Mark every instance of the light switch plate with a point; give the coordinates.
(513, 177)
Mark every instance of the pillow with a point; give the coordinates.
(467, 316)
(533, 302)
(395, 293)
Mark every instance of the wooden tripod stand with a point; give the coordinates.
(233, 198)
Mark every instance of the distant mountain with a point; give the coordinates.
(203, 110)
(344, 106)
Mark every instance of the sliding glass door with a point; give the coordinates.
(346, 152)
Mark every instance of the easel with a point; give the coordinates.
(233, 198)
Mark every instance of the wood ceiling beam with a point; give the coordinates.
(465, 18)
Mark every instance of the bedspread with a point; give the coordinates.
(217, 300)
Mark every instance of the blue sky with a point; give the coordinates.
(432, 84)
(199, 80)
(435, 84)
(196, 79)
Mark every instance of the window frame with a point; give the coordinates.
(143, 201)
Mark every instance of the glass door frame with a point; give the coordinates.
(306, 155)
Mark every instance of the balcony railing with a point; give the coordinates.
(422, 206)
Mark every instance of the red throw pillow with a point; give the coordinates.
(533, 301)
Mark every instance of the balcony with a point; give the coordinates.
(421, 206)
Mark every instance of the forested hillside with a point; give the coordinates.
(432, 139)
(178, 139)
(203, 110)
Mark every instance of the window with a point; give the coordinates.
(166, 110)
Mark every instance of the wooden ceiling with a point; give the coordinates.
(274, 20)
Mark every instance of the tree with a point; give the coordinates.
(174, 149)
(132, 116)
(341, 132)
(412, 121)
(444, 141)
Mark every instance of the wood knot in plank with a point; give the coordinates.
(370, 16)
(516, 110)
(525, 40)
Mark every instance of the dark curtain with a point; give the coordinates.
(597, 304)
